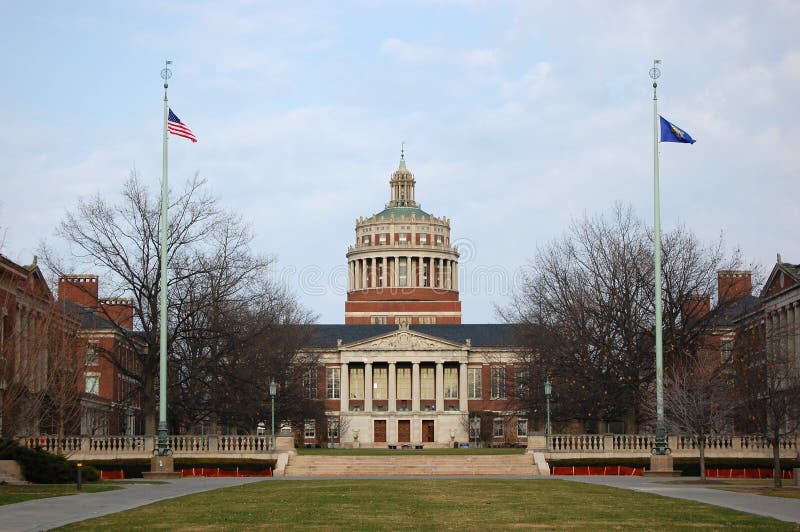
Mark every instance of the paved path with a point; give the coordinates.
(785, 509)
(43, 514)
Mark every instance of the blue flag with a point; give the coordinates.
(672, 133)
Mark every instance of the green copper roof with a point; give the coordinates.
(400, 212)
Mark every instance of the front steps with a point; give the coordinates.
(410, 465)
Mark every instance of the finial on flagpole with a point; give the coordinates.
(655, 73)
(166, 73)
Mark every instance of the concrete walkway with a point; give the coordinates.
(43, 514)
(785, 509)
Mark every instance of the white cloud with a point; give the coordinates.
(408, 52)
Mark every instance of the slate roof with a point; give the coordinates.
(727, 314)
(89, 318)
(480, 334)
(403, 212)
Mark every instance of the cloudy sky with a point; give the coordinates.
(517, 118)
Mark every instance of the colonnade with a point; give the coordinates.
(421, 271)
(392, 387)
(783, 330)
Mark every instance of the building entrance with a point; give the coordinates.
(404, 430)
(380, 430)
(427, 430)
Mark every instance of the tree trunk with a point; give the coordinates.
(776, 458)
(149, 405)
(702, 457)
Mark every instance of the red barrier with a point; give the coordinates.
(112, 475)
(598, 470)
(217, 472)
(752, 473)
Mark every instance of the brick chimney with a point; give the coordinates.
(695, 306)
(81, 289)
(119, 310)
(733, 284)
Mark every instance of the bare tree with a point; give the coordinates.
(211, 269)
(586, 312)
(698, 398)
(767, 377)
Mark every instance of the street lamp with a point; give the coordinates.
(272, 389)
(476, 428)
(548, 388)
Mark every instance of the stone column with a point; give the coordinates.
(439, 386)
(392, 387)
(374, 267)
(415, 387)
(367, 387)
(796, 331)
(384, 273)
(350, 275)
(396, 276)
(455, 275)
(413, 272)
(344, 388)
(440, 274)
(462, 387)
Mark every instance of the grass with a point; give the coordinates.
(12, 494)
(399, 452)
(469, 504)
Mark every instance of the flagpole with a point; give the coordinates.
(163, 435)
(661, 428)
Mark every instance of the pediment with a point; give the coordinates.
(402, 340)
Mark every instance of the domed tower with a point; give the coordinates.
(402, 268)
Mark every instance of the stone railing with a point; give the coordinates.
(143, 446)
(642, 444)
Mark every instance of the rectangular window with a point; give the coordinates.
(726, 349)
(439, 240)
(423, 238)
(427, 320)
(380, 383)
(310, 383)
(474, 383)
(310, 428)
(382, 239)
(366, 240)
(92, 358)
(450, 383)
(403, 237)
(522, 428)
(427, 383)
(378, 320)
(404, 383)
(333, 428)
(498, 382)
(93, 383)
(356, 383)
(498, 428)
(333, 383)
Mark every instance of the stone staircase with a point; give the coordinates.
(411, 465)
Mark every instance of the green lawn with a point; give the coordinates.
(12, 494)
(397, 452)
(468, 504)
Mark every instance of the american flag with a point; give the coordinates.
(176, 127)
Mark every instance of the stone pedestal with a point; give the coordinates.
(284, 443)
(661, 466)
(161, 467)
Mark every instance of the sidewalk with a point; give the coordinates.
(785, 509)
(43, 514)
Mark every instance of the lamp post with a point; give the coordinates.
(476, 428)
(272, 389)
(548, 388)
